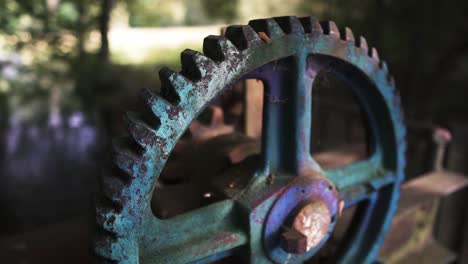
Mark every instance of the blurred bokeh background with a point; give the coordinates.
(69, 68)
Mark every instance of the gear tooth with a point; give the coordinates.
(112, 247)
(363, 45)
(124, 162)
(330, 28)
(159, 105)
(311, 24)
(349, 34)
(172, 83)
(397, 97)
(391, 81)
(268, 26)
(243, 37)
(219, 48)
(106, 205)
(289, 24)
(384, 66)
(123, 145)
(112, 187)
(140, 131)
(333, 30)
(148, 96)
(375, 55)
(110, 220)
(125, 158)
(195, 65)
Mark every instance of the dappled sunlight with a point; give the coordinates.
(156, 45)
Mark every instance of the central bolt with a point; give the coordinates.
(309, 228)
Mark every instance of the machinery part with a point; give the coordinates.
(411, 238)
(312, 223)
(196, 160)
(286, 53)
(441, 137)
(216, 127)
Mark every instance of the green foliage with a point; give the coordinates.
(112, 85)
(221, 9)
(68, 14)
(421, 49)
(44, 38)
(41, 20)
(151, 13)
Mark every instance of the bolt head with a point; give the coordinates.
(293, 241)
(309, 228)
(313, 221)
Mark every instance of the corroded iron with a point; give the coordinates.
(312, 221)
(263, 190)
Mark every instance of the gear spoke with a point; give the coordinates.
(369, 211)
(206, 238)
(357, 181)
(287, 114)
(356, 173)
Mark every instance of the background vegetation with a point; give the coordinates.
(62, 46)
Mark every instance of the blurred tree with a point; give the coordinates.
(425, 45)
(104, 19)
(51, 21)
(50, 37)
(251, 9)
(225, 11)
(150, 13)
(154, 13)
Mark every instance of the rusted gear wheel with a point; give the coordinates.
(266, 217)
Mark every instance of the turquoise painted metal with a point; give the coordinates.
(286, 53)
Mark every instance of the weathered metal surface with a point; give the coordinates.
(313, 221)
(284, 213)
(286, 53)
(442, 137)
(293, 241)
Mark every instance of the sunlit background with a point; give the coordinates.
(69, 68)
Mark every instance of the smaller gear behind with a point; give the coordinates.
(267, 189)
